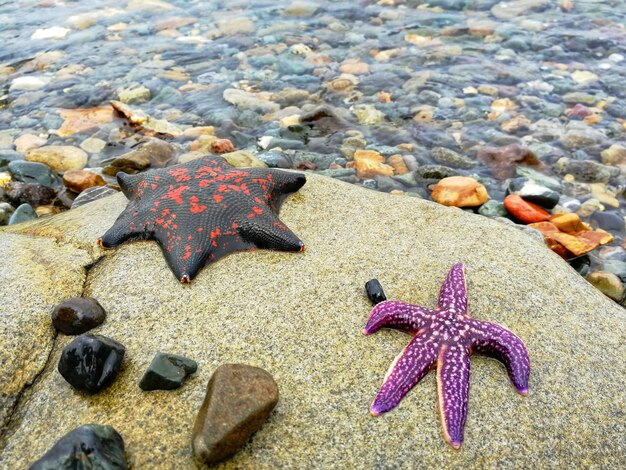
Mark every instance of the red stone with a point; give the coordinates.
(525, 211)
(222, 146)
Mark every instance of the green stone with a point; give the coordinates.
(167, 372)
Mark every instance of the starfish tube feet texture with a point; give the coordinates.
(202, 210)
(444, 338)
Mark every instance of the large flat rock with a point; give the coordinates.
(35, 275)
(299, 316)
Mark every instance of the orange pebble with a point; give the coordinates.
(525, 211)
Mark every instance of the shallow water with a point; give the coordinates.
(402, 77)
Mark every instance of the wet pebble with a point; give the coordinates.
(23, 213)
(92, 194)
(59, 157)
(239, 399)
(533, 192)
(33, 172)
(607, 283)
(460, 191)
(77, 315)
(6, 210)
(90, 363)
(91, 446)
(79, 180)
(525, 211)
(167, 372)
(34, 194)
(588, 170)
(492, 208)
(152, 153)
(451, 158)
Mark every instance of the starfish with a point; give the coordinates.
(204, 209)
(444, 338)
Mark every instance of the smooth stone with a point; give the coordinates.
(151, 153)
(616, 267)
(238, 401)
(509, 9)
(79, 180)
(93, 145)
(275, 159)
(27, 142)
(459, 191)
(607, 283)
(246, 100)
(77, 315)
(374, 291)
(249, 307)
(7, 156)
(23, 213)
(167, 372)
(139, 94)
(539, 178)
(525, 211)
(34, 194)
(90, 363)
(6, 210)
(615, 155)
(492, 208)
(243, 159)
(59, 157)
(91, 446)
(33, 172)
(533, 192)
(586, 171)
(54, 32)
(435, 172)
(29, 83)
(388, 184)
(610, 221)
(92, 194)
(451, 158)
(369, 163)
(503, 160)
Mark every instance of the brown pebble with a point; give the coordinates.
(79, 180)
(239, 399)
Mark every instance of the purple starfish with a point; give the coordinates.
(444, 338)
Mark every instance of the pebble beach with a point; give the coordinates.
(497, 130)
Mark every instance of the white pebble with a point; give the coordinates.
(29, 83)
(56, 32)
(616, 58)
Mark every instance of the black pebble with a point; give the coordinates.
(167, 372)
(90, 363)
(77, 315)
(91, 446)
(375, 291)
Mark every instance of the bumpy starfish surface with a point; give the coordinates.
(444, 338)
(202, 210)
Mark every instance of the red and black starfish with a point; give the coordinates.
(202, 210)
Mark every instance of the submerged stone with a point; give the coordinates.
(238, 401)
(533, 192)
(167, 372)
(90, 363)
(78, 315)
(88, 447)
(33, 172)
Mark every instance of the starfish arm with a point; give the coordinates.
(128, 183)
(498, 342)
(453, 294)
(124, 230)
(411, 365)
(398, 315)
(453, 373)
(267, 231)
(284, 183)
